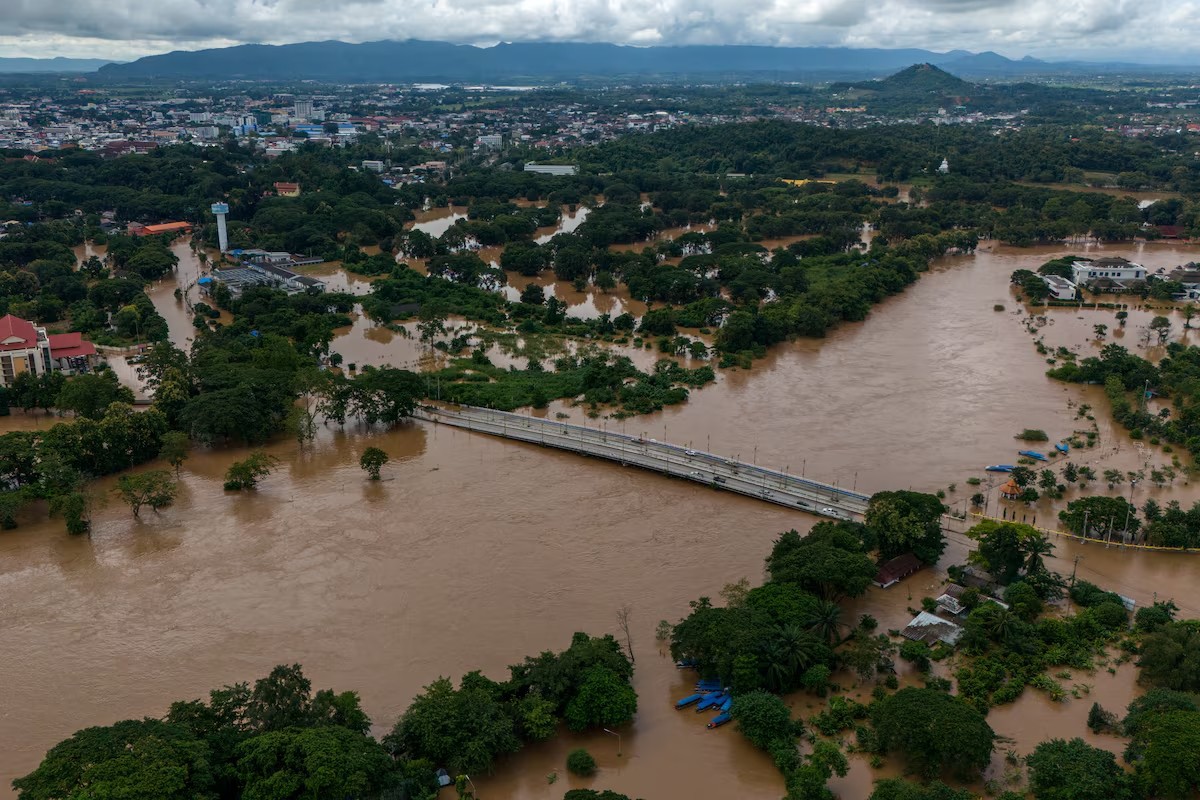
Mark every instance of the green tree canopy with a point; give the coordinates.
(136, 759)
(829, 562)
(464, 728)
(1171, 657)
(604, 698)
(907, 522)
(934, 731)
(1074, 770)
(90, 394)
(301, 763)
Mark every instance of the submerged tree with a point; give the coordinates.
(245, 474)
(372, 461)
(156, 489)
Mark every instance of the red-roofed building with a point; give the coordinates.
(70, 353)
(23, 348)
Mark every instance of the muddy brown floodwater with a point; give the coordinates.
(475, 552)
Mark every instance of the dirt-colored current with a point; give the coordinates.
(474, 552)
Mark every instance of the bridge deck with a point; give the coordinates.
(709, 469)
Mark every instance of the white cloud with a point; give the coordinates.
(1149, 30)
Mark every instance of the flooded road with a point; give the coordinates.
(475, 552)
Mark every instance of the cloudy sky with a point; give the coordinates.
(1156, 31)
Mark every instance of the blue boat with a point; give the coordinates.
(1063, 447)
(999, 468)
(727, 704)
(687, 701)
(1034, 454)
(687, 663)
(708, 685)
(711, 701)
(720, 719)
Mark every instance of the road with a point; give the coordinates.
(709, 469)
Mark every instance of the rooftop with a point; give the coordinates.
(16, 333)
(930, 628)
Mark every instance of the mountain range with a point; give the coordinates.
(58, 64)
(425, 61)
(415, 61)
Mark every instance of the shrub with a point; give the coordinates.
(581, 763)
(1033, 435)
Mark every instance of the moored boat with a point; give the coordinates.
(1063, 447)
(1034, 454)
(999, 468)
(687, 701)
(720, 719)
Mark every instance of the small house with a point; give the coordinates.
(897, 569)
(931, 629)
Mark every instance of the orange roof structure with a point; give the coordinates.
(166, 227)
(1010, 489)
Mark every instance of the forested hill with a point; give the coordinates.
(441, 61)
(923, 88)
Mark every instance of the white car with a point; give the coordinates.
(830, 512)
(690, 453)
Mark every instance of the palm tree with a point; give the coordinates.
(799, 647)
(1034, 548)
(1002, 624)
(778, 671)
(824, 621)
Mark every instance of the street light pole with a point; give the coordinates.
(614, 733)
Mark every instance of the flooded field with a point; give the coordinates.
(474, 552)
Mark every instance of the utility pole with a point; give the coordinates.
(1073, 569)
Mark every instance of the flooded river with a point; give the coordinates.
(475, 552)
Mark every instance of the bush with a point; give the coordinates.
(581, 763)
(1033, 435)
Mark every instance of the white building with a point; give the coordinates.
(303, 110)
(552, 169)
(944, 167)
(1119, 270)
(373, 166)
(491, 141)
(1060, 288)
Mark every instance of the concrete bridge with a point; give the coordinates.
(712, 470)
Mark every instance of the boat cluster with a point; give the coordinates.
(709, 696)
(1061, 447)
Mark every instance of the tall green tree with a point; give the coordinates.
(136, 759)
(934, 731)
(829, 562)
(1074, 770)
(604, 699)
(907, 522)
(90, 394)
(1171, 657)
(464, 728)
(302, 763)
